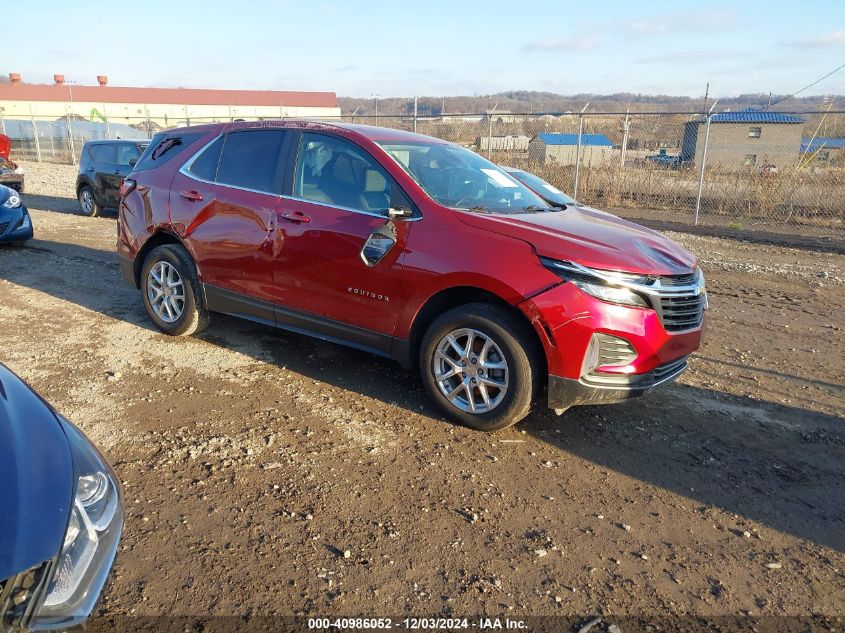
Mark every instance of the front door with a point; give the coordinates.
(339, 196)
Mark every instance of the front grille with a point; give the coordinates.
(19, 595)
(3, 227)
(682, 313)
(671, 281)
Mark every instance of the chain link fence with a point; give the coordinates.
(782, 172)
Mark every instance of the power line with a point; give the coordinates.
(835, 70)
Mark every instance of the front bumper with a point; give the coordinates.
(566, 318)
(15, 225)
(609, 389)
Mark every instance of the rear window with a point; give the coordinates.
(165, 146)
(103, 154)
(250, 159)
(204, 166)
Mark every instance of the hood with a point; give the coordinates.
(591, 238)
(5, 147)
(36, 478)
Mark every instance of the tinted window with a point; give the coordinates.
(250, 159)
(125, 153)
(164, 147)
(336, 172)
(103, 154)
(205, 165)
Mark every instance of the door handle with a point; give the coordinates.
(296, 216)
(193, 196)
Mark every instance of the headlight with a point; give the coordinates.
(13, 202)
(604, 285)
(612, 294)
(91, 538)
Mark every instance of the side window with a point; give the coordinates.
(104, 154)
(125, 153)
(336, 172)
(164, 146)
(250, 159)
(204, 166)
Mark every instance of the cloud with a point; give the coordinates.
(683, 21)
(693, 57)
(572, 43)
(834, 39)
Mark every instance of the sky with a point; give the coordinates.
(436, 47)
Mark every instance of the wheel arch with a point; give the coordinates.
(454, 297)
(161, 237)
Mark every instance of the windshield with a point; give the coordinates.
(458, 178)
(548, 191)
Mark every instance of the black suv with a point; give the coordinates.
(102, 167)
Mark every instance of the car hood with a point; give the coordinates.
(591, 238)
(36, 478)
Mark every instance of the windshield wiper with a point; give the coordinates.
(533, 207)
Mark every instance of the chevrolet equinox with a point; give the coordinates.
(412, 248)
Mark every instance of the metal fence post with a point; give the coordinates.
(490, 131)
(578, 150)
(2, 123)
(625, 139)
(70, 135)
(35, 136)
(415, 114)
(703, 163)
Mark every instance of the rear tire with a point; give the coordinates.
(171, 291)
(481, 365)
(88, 202)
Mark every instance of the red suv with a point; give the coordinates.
(412, 248)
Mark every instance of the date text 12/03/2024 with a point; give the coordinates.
(417, 623)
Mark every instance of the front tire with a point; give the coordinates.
(171, 291)
(481, 365)
(88, 202)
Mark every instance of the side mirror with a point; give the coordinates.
(401, 212)
(379, 242)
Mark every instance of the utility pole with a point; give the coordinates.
(703, 163)
(706, 94)
(415, 114)
(70, 125)
(376, 95)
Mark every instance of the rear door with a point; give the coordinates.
(224, 202)
(101, 170)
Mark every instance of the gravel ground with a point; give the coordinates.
(270, 474)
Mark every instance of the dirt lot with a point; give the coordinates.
(266, 473)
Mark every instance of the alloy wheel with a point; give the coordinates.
(470, 370)
(86, 200)
(166, 292)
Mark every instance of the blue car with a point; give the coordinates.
(15, 223)
(61, 514)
